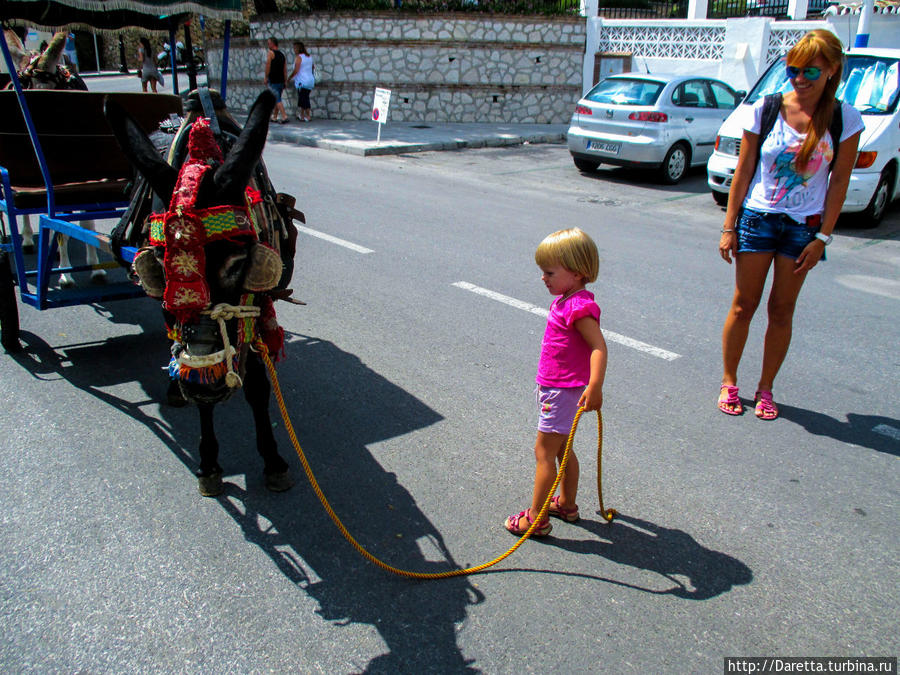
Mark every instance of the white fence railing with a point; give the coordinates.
(734, 50)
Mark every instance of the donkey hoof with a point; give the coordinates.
(98, 277)
(28, 249)
(279, 481)
(66, 282)
(211, 485)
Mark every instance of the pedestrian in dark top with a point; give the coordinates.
(276, 75)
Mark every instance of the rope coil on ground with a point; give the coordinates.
(608, 514)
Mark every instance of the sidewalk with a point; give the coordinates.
(358, 137)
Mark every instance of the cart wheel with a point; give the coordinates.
(9, 310)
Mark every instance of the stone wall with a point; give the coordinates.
(447, 68)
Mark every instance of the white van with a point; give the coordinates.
(871, 83)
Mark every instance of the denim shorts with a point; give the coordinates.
(761, 232)
(557, 407)
(276, 89)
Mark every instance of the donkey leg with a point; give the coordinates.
(97, 276)
(27, 235)
(257, 390)
(209, 475)
(66, 280)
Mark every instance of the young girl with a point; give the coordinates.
(570, 372)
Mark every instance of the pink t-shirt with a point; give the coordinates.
(565, 356)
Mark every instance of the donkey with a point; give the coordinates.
(43, 70)
(214, 277)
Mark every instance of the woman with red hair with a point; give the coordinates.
(786, 195)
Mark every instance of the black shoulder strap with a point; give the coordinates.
(836, 129)
(770, 111)
(772, 108)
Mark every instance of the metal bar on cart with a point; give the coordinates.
(225, 50)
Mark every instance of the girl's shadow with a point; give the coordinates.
(669, 552)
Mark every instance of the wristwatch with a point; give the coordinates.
(824, 237)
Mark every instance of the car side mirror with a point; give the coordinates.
(740, 95)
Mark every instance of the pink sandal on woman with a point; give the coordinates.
(765, 406)
(729, 402)
(518, 524)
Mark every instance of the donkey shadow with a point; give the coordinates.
(669, 552)
(339, 406)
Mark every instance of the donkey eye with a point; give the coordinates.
(234, 264)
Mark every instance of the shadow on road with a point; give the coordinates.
(694, 181)
(857, 430)
(339, 406)
(669, 552)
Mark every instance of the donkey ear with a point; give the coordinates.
(140, 150)
(232, 177)
(49, 60)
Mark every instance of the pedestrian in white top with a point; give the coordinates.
(304, 79)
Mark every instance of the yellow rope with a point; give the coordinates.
(608, 514)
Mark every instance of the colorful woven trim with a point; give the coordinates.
(207, 375)
(246, 327)
(200, 226)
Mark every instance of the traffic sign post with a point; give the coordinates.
(380, 107)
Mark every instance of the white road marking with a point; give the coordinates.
(334, 240)
(888, 430)
(540, 311)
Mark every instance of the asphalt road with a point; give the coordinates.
(412, 395)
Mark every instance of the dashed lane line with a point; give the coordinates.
(334, 240)
(540, 311)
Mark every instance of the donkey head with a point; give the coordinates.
(204, 251)
(43, 71)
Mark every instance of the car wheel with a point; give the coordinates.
(720, 198)
(873, 213)
(585, 164)
(675, 165)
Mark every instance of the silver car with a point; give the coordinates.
(666, 122)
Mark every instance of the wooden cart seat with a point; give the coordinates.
(83, 193)
(85, 162)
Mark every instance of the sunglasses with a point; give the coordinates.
(811, 73)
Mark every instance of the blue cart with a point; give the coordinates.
(60, 164)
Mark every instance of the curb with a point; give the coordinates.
(369, 148)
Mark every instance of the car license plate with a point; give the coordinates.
(611, 148)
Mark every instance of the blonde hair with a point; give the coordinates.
(573, 249)
(815, 43)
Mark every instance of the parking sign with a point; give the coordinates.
(381, 105)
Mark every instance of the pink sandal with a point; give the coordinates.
(765, 406)
(518, 524)
(569, 515)
(729, 402)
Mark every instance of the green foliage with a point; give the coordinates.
(538, 7)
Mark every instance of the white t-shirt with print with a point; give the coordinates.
(777, 186)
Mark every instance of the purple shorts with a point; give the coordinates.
(557, 407)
